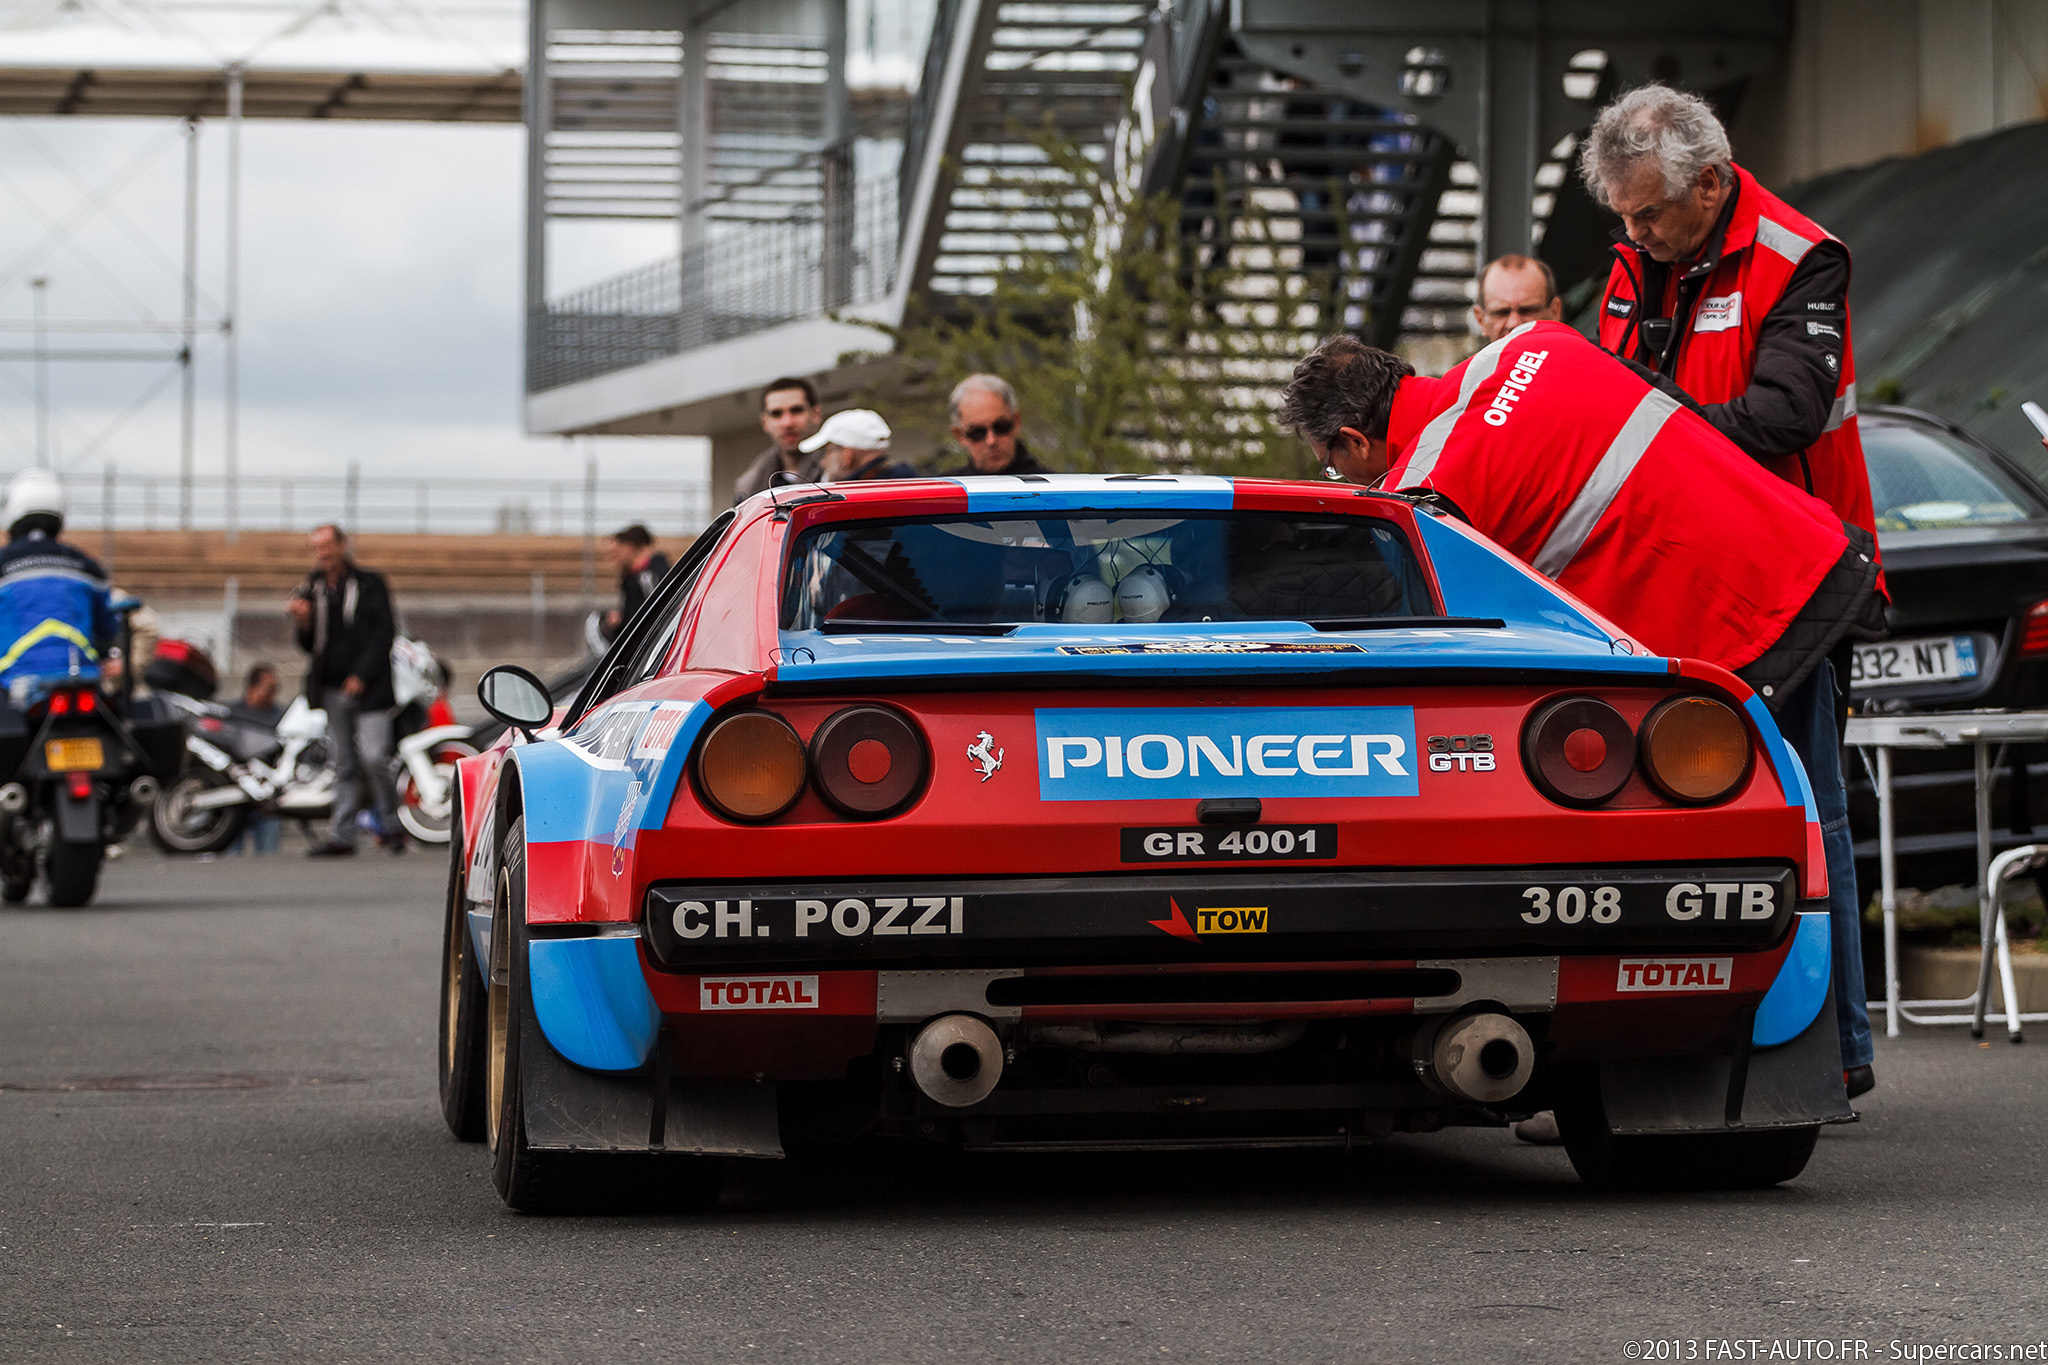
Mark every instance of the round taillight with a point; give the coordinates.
(868, 761)
(751, 766)
(1578, 751)
(1695, 749)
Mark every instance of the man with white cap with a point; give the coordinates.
(856, 446)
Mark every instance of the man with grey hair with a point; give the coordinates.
(1743, 301)
(983, 413)
(1731, 292)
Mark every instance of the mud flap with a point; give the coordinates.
(569, 1109)
(78, 818)
(1794, 1085)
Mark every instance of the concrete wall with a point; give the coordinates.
(1870, 79)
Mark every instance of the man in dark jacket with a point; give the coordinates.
(983, 411)
(641, 568)
(343, 615)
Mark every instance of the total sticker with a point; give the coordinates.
(1675, 974)
(757, 993)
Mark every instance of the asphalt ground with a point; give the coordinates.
(219, 1140)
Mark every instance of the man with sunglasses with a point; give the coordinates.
(789, 414)
(985, 420)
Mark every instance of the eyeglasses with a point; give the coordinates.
(1002, 426)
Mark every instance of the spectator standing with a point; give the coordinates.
(1743, 302)
(258, 705)
(1514, 290)
(344, 620)
(1600, 479)
(641, 567)
(789, 414)
(855, 447)
(983, 412)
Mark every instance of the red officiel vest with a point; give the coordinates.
(1562, 455)
(1765, 241)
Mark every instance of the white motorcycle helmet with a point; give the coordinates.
(32, 492)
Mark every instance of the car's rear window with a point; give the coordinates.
(1098, 570)
(1921, 479)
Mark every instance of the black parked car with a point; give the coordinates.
(1963, 529)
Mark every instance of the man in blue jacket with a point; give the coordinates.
(54, 612)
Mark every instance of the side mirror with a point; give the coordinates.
(516, 697)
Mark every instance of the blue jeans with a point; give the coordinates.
(1810, 725)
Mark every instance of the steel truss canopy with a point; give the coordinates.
(334, 59)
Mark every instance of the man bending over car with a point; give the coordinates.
(1621, 491)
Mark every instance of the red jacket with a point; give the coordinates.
(1571, 461)
(1750, 265)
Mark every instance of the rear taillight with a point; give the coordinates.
(88, 702)
(60, 702)
(1579, 751)
(2034, 632)
(751, 766)
(868, 761)
(1694, 749)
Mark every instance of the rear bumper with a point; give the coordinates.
(1296, 916)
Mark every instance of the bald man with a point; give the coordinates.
(1514, 290)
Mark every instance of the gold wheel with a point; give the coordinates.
(500, 1003)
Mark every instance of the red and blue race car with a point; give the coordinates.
(1126, 811)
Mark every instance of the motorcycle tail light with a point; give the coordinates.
(751, 766)
(1694, 749)
(868, 761)
(1578, 751)
(81, 785)
(87, 701)
(2034, 632)
(60, 702)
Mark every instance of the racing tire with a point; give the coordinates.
(527, 1180)
(463, 1015)
(1753, 1160)
(418, 822)
(175, 828)
(73, 872)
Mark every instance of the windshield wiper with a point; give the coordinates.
(845, 626)
(1406, 622)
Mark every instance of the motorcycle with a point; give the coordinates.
(241, 768)
(84, 763)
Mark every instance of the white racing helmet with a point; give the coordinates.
(30, 492)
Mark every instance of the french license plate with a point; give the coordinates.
(1895, 663)
(74, 755)
(1229, 843)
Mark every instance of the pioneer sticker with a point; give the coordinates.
(1158, 753)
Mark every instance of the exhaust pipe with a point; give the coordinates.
(1482, 1058)
(13, 798)
(143, 790)
(956, 1060)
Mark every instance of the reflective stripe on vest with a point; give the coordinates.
(52, 629)
(1782, 240)
(1429, 446)
(1844, 408)
(1597, 494)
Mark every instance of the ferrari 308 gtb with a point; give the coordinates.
(1127, 811)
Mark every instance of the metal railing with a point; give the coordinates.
(747, 278)
(383, 503)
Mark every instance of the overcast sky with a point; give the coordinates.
(380, 299)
